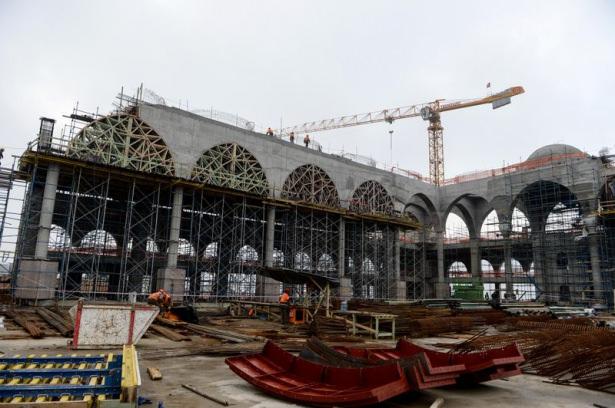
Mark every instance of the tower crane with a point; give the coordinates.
(429, 111)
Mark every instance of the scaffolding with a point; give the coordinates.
(116, 200)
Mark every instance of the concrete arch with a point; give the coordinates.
(231, 165)
(99, 240)
(302, 261)
(457, 269)
(247, 255)
(549, 194)
(371, 197)
(311, 184)
(423, 209)
(123, 140)
(471, 208)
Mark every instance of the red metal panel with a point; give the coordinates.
(279, 373)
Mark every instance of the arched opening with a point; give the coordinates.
(184, 248)
(325, 263)
(456, 229)
(125, 141)
(516, 268)
(211, 251)
(371, 197)
(491, 226)
(486, 268)
(58, 238)
(458, 270)
(232, 166)
(520, 223)
(311, 184)
(303, 262)
(278, 258)
(563, 219)
(247, 255)
(99, 241)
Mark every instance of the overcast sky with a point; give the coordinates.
(297, 61)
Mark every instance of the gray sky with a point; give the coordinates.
(299, 61)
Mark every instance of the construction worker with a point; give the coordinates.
(284, 300)
(162, 299)
(269, 132)
(292, 137)
(306, 140)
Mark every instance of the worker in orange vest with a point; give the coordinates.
(162, 299)
(283, 300)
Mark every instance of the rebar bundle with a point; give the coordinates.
(567, 353)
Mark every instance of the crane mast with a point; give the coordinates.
(429, 111)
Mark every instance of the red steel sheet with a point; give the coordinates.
(286, 376)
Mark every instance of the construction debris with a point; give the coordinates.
(26, 323)
(154, 373)
(204, 395)
(326, 326)
(168, 333)
(58, 322)
(568, 354)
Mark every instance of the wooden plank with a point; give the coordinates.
(27, 325)
(168, 333)
(154, 373)
(202, 394)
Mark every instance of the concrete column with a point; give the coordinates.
(176, 213)
(396, 254)
(268, 289)
(508, 275)
(399, 284)
(269, 236)
(475, 258)
(341, 249)
(47, 207)
(441, 286)
(172, 278)
(594, 253)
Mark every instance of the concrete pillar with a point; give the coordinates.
(47, 207)
(173, 278)
(176, 214)
(475, 258)
(268, 289)
(397, 285)
(269, 236)
(441, 286)
(341, 249)
(508, 275)
(594, 253)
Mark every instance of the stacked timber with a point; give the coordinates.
(326, 326)
(64, 327)
(168, 333)
(27, 323)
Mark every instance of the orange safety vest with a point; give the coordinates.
(284, 297)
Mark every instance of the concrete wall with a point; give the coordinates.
(189, 136)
